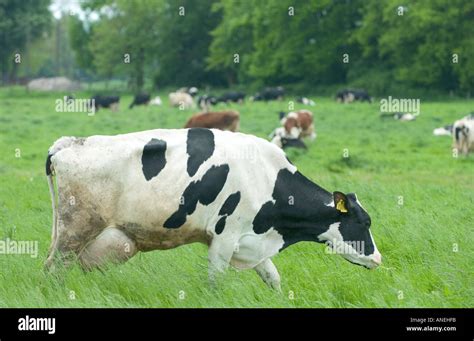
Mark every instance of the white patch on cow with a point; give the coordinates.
(332, 232)
(441, 132)
(252, 249)
(295, 132)
(292, 115)
(156, 101)
(331, 204)
(334, 238)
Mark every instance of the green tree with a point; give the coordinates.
(124, 40)
(285, 41)
(21, 22)
(183, 43)
(416, 42)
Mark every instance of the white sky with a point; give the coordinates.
(59, 7)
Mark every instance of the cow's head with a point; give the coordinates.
(350, 234)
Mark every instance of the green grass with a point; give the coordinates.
(387, 159)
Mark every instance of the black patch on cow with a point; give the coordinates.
(292, 143)
(153, 158)
(226, 210)
(203, 191)
(48, 164)
(199, 146)
(220, 225)
(230, 204)
(457, 132)
(293, 212)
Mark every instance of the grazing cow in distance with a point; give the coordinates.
(181, 100)
(140, 99)
(349, 96)
(206, 101)
(447, 130)
(399, 116)
(305, 101)
(223, 120)
(100, 101)
(166, 188)
(70, 99)
(295, 126)
(279, 139)
(268, 94)
(156, 101)
(231, 96)
(298, 124)
(193, 91)
(463, 134)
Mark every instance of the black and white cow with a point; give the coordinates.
(349, 96)
(159, 189)
(305, 101)
(206, 101)
(192, 91)
(463, 134)
(269, 94)
(231, 96)
(399, 116)
(140, 99)
(101, 101)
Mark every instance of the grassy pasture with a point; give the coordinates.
(419, 196)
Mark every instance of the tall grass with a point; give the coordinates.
(427, 241)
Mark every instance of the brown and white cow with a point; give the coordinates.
(223, 120)
(295, 125)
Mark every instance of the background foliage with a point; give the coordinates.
(392, 46)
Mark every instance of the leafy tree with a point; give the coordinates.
(416, 42)
(183, 43)
(20, 23)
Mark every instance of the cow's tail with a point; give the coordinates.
(52, 192)
(62, 143)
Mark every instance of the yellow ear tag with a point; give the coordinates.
(341, 207)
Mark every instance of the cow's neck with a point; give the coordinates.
(302, 209)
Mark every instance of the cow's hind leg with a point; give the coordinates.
(269, 273)
(111, 246)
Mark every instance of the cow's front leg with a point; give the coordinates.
(269, 273)
(220, 252)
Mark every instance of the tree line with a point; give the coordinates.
(381, 45)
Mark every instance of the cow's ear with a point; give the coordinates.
(340, 202)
